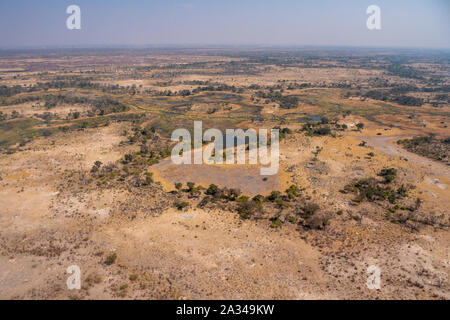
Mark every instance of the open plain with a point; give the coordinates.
(86, 177)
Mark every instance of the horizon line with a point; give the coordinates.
(214, 46)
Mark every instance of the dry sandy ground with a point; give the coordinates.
(246, 178)
(30, 109)
(46, 226)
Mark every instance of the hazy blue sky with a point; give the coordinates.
(405, 23)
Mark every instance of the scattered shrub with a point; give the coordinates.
(178, 186)
(212, 190)
(310, 208)
(292, 191)
(133, 277)
(111, 258)
(243, 199)
(274, 195)
(389, 174)
(204, 202)
(246, 209)
(276, 222)
(181, 205)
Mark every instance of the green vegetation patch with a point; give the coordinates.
(19, 131)
(372, 189)
(429, 147)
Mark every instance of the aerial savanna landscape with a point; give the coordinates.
(87, 176)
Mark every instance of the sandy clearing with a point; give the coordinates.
(244, 177)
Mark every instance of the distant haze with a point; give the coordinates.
(404, 23)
